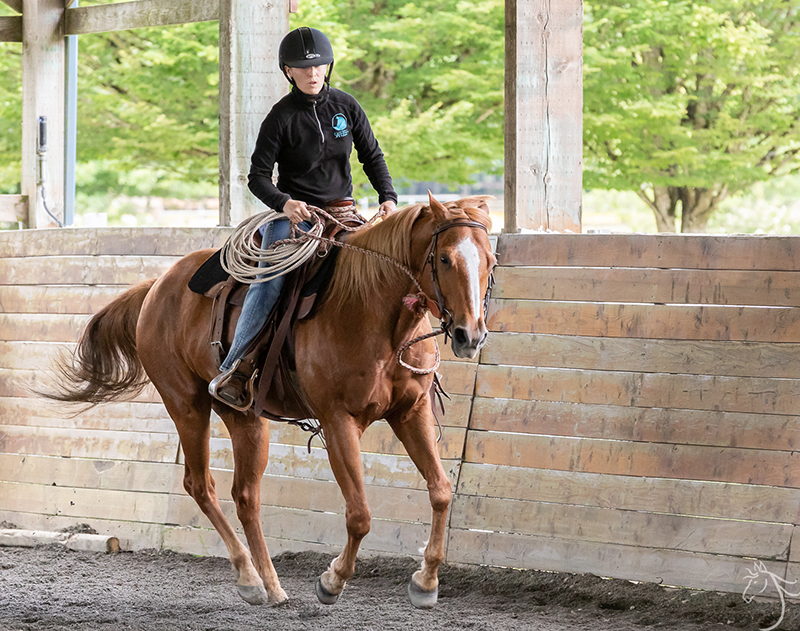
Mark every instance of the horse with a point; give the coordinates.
(346, 367)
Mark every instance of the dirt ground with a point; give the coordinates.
(51, 587)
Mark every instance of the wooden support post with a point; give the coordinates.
(250, 83)
(544, 101)
(43, 95)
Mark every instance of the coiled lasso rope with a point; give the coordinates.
(241, 255)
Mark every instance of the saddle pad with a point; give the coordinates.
(208, 274)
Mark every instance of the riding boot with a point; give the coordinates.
(234, 387)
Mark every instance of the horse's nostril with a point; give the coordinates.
(460, 337)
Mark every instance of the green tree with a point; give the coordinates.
(10, 113)
(689, 102)
(148, 99)
(429, 75)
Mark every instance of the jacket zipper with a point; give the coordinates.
(318, 123)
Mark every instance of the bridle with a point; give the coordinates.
(445, 317)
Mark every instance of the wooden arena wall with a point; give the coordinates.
(634, 414)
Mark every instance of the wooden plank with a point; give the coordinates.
(644, 390)
(132, 536)
(13, 208)
(667, 567)
(458, 377)
(401, 505)
(84, 503)
(111, 475)
(83, 270)
(30, 355)
(601, 525)
(654, 495)
(23, 327)
(57, 298)
(25, 383)
(794, 552)
(203, 542)
(79, 443)
(141, 14)
(685, 462)
(759, 324)
(740, 359)
(666, 251)
(379, 469)
(312, 526)
(111, 241)
(685, 286)
(126, 416)
(653, 425)
(378, 439)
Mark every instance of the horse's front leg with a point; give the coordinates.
(416, 431)
(344, 453)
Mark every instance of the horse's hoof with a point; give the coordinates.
(324, 596)
(420, 598)
(278, 597)
(253, 594)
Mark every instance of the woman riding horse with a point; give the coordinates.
(309, 134)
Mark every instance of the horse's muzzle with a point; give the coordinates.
(466, 342)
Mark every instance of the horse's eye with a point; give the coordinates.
(444, 259)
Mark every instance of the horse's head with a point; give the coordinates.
(460, 262)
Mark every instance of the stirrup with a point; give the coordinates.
(233, 388)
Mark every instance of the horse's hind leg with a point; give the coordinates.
(417, 434)
(191, 416)
(250, 440)
(344, 454)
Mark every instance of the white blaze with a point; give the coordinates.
(472, 261)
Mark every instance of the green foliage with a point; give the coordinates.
(690, 94)
(429, 75)
(148, 99)
(10, 117)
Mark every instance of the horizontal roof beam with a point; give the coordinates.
(11, 28)
(144, 13)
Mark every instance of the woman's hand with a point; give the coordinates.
(387, 208)
(296, 211)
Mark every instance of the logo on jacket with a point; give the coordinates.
(340, 126)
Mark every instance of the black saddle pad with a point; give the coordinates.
(211, 272)
(208, 274)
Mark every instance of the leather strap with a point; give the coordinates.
(218, 310)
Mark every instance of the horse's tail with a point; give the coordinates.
(105, 365)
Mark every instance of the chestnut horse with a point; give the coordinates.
(346, 368)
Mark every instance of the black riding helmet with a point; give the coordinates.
(305, 47)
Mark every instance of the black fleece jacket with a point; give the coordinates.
(310, 139)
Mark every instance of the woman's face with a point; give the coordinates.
(309, 80)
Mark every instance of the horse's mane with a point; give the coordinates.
(359, 276)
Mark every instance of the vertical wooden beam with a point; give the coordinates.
(43, 95)
(250, 84)
(544, 118)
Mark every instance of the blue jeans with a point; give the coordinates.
(261, 297)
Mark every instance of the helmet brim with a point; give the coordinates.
(308, 63)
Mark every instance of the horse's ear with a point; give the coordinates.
(439, 211)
